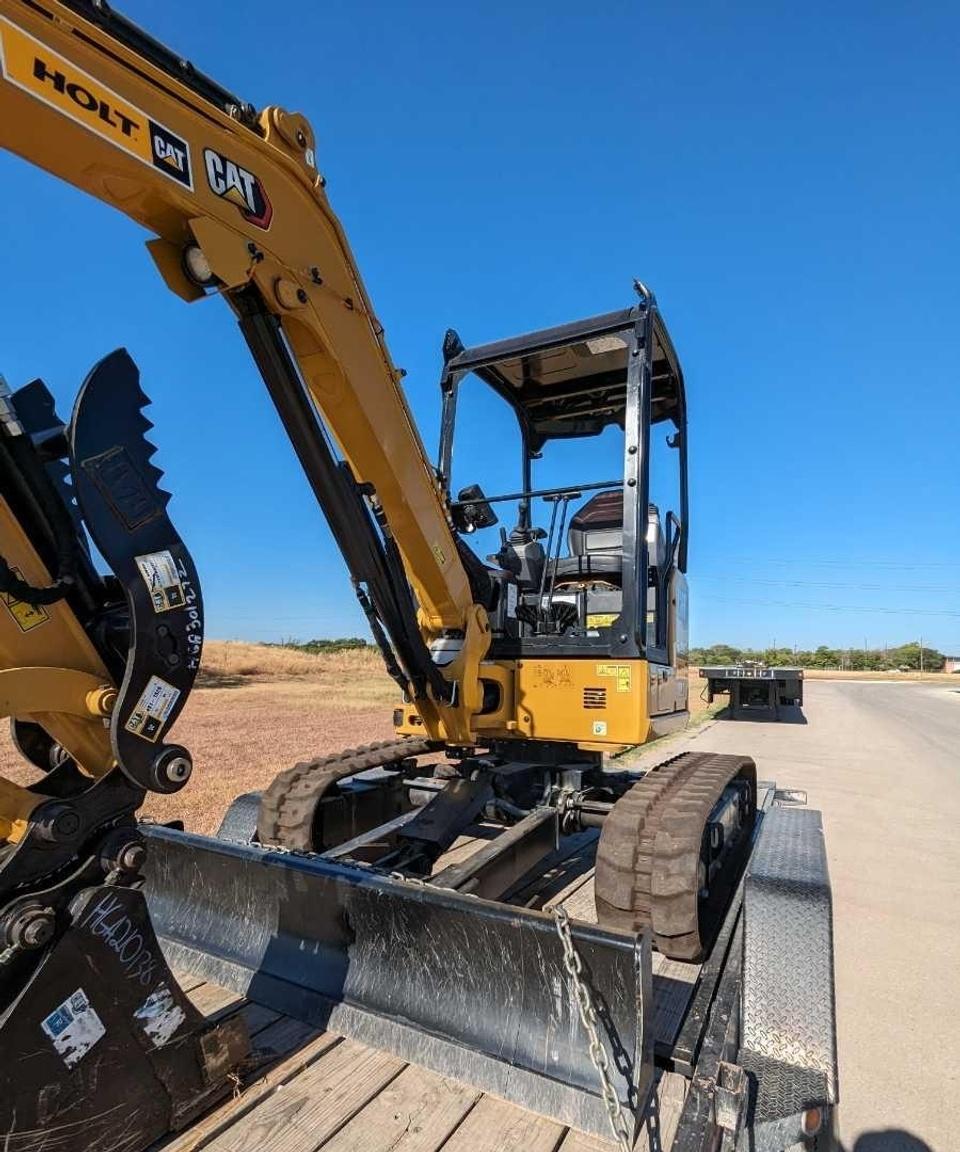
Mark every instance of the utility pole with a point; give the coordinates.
(921, 657)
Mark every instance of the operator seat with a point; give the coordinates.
(595, 540)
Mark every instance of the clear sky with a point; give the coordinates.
(786, 178)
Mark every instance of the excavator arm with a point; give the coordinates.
(95, 668)
(236, 207)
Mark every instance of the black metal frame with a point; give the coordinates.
(132, 36)
(368, 548)
(643, 330)
(752, 690)
(682, 1055)
(699, 1129)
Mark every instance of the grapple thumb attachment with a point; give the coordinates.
(125, 510)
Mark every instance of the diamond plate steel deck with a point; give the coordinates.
(788, 1017)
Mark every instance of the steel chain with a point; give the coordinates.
(588, 1015)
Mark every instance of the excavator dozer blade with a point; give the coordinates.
(470, 988)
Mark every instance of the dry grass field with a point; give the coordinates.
(255, 711)
(932, 677)
(259, 709)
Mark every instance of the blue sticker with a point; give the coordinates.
(58, 1021)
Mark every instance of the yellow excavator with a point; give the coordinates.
(520, 672)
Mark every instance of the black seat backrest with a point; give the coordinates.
(598, 525)
(597, 529)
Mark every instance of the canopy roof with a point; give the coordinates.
(572, 381)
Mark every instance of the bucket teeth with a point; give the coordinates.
(113, 393)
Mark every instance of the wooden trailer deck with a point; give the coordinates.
(307, 1090)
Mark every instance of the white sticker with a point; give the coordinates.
(160, 1016)
(600, 344)
(160, 574)
(154, 706)
(599, 727)
(511, 599)
(74, 1027)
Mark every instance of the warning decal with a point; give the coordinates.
(74, 1027)
(27, 616)
(619, 672)
(154, 706)
(160, 574)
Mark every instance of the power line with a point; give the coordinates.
(832, 562)
(831, 607)
(944, 588)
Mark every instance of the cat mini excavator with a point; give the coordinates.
(522, 674)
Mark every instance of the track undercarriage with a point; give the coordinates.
(672, 846)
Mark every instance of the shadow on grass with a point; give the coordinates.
(220, 680)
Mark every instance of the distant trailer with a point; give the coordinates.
(753, 689)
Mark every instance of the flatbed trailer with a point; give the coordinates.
(740, 1042)
(754, 689)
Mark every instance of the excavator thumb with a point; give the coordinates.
(101, 1050)
(125, 510)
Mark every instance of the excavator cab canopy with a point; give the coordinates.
(571, 381)
(598, 579)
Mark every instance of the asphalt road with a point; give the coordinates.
(882, 762)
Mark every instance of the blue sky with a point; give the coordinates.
(785, 178)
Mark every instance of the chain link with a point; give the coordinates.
(588, 1015)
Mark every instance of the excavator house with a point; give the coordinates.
(537, 634)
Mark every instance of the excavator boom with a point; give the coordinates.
(236, 206)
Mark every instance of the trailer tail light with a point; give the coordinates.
(812, 1121)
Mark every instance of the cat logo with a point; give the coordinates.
(170, 154)
(231, 182)
(49, 77)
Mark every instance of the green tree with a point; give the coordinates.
(825, 657)
(715, 654)
(908, 656)
(857, 659)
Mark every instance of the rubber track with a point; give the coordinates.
(288, 806)
(647, 872)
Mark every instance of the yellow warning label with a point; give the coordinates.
(37, 69)
(601, 619)
(620, 672)
(26, 615)
(441, 558)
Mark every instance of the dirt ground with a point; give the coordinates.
(258, 710)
